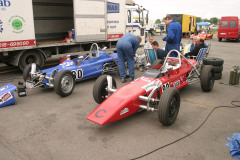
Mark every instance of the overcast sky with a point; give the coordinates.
(200, 8)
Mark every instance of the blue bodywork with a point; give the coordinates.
(89, 68)
(6, 95)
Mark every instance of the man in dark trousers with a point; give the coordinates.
(161, 54)
(194, 52)
(174, 35)
(127, 46)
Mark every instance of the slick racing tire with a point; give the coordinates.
(168, 106)
(207, 78)
(218, 76)
(27, 70)
(157, 62)
(64, 83)
(99, 89)
(213, 61)
(218, 69)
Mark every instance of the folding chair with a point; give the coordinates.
(201, 55)
(151, 55)
(208, 49)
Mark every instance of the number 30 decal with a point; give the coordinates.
(78, 74)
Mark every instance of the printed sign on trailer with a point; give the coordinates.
(16, 26)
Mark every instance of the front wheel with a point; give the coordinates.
(207, 78)
(27, 70)
(168, 106)
(100, 92)
(64, 83)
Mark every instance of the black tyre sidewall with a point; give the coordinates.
(218, 76)
(164, 104)
(218, 69)
(38, 56)
(213, 61)
(57, 83)
(205, 78)
(27, 70)
(99, 86)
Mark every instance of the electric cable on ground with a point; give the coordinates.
(234, 105)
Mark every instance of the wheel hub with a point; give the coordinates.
(172, 107)
(67, 83)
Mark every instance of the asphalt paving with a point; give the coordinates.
(44, 126)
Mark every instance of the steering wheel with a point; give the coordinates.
(94, 48)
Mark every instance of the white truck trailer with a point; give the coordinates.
(35, 30)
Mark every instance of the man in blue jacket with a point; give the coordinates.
(127, 46)
(174, 35)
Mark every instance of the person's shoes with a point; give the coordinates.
(132, 79)
(124, 80)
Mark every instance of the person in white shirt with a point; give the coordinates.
(148, 45)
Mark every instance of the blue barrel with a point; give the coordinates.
(6, 95)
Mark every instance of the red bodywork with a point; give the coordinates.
(124, 102)
(229, 28)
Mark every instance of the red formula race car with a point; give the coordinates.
(156, 90)
(203, 36)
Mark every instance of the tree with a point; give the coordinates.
(198, 19)
(206, 20)
(158, 21)
(214, 20)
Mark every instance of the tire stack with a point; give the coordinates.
(217, 64)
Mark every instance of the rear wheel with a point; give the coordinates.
(64, 83)
(99, 89)
(219, 39)
(238, 39)
(31, 57)
(168, 106)
(207, 78)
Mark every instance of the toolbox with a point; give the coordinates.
(6, 95)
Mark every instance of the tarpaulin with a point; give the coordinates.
(234, 145)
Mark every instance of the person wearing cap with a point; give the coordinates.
(174, 35)
(127, 46)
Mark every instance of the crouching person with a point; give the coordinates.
(161, 54)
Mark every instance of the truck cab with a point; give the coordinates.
(137, 20)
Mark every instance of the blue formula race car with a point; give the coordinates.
(63, 77)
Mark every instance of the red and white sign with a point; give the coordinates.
(6, 97)
(114, 36)
(21, 43)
